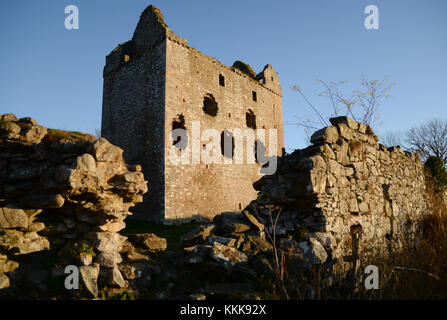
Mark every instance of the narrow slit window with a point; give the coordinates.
(255, 96)
(222, 80)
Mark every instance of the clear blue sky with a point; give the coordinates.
(55, 75)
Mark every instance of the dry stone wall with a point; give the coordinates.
(64, 192)
(352, 194)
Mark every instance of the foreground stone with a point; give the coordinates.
(66, 192)
(305, 253)
(4, 281)
(197, 236)
(231, 222)
(89, 276)
(149, 241)
(18, 243)
(113, 277)
(227, 254)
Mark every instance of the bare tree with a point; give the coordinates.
(369, 97)
(393, 138)
(362, 104)
(429, 139)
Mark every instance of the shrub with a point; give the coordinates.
(437, 169)
(79, 250)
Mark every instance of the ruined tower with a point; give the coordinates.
(155, 83)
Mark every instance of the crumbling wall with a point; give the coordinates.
(155, 79)
(200, 189)
(67, 193)
(355, 196)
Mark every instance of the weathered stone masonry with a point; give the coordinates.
(346, 191)
(56, 192)
(155, 83)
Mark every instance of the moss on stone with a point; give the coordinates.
(244, 68)
(67, 136)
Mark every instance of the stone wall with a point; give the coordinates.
(353, 195)
(63, 192)
(155, 79)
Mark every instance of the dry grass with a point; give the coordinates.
(417, 271)
(420, 271)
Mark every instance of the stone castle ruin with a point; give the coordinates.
(348, 194)
(156, 83)
(343, 199)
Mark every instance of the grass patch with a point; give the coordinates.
(172, 233)
(67, 136)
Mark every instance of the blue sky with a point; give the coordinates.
(55, 75)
